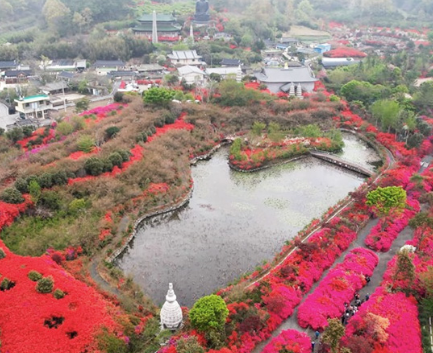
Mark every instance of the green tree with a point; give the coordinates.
(56, 14)
(415, 140)
(209, 313)
(235, 94)
(391, 199)
(11, 195)
(77, 205)
(86, 143)
(423, 99)
(65, 128)
(332, 334)
(258, 128)
(311, 130)
(45, 285)
(387, 112)
(15, 134)
(82, 105)
(94, 166)
(423, 223)
(116, 159)
(362, 91)
(158, 96)
(111, 131)
(215, 77)
(404, 271)
(51, 200)
(35, 191)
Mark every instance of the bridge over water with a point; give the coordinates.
(331, 158)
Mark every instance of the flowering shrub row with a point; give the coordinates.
(8, 212)
(248, 157)
(281, 291)
(388, 322)
(39, 137)
(386, 231)
(289, 341)
(137, 151)
(338, 287)
(344, 52)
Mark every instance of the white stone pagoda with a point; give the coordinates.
(171, 313)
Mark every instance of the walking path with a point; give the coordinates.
(376, 279)
(331, 158)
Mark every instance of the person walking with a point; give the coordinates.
(367, 279)
(317, 334)
(312, 346)
(367, 296)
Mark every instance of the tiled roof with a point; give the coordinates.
(230, 62)
(16, 73)
(65, 74)
(185, 70)
(165, 27)
(108, 63)
(54, 86)
(7, 64)
(184, 55)
(148, 17)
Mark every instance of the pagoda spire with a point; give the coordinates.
(191, 33)
(154, 29)
(171, 313)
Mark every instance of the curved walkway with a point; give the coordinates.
(333, 159)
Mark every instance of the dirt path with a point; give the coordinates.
(97, 260)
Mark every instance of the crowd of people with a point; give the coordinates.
(350, 309)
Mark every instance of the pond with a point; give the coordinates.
(233, 222)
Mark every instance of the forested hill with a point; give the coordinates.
(63, 17)
(361, 10)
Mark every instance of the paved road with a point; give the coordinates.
(5, 118)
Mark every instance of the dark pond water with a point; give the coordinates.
(233, 222)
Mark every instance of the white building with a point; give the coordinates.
(171, 312)
(191, 74)
(234, 73)
(283, 79)
(336, 62)
(36, 107)
(185, 57)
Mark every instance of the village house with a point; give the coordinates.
(223, 35)
(103, 67)
(226, 62)
(150, 69)
(285, 79)
(7, 65)
(191, 74)
(54, 87)
(53, 66)
(66, 76)
(322, 48)
(122, 75)
(13, 78)
(185, 57)
(234, 73)
(34, 107)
